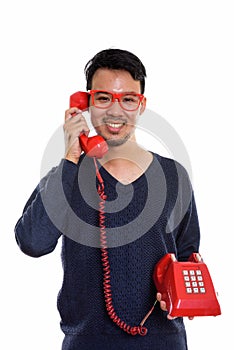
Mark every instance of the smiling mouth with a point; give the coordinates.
(114, 127)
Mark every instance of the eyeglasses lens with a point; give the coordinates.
(129, 102)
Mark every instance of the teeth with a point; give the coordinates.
(114, 125)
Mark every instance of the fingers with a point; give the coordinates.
(169, 317)
(163, 306)
(162, 303)
(159, 296)
(74, 125)
(71, 112)
(75, 121)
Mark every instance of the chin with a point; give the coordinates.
(114, 142)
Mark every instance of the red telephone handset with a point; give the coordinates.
(94, 146)
(186, 287)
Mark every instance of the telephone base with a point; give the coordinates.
(186, 287)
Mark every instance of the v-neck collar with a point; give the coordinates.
(125, 187)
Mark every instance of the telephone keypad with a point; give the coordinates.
(193, 281)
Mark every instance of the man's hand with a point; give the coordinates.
(74, 125)
(164, 307)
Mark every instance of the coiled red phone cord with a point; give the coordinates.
(133, 330)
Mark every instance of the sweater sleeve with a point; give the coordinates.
(41, 224)
(188, 233)
(188, 238)
(183, 220)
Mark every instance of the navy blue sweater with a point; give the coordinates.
(154, 215)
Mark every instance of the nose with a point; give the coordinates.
(115, 109)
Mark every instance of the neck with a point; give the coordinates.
(127, 151)
(126, 162)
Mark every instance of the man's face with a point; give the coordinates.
(115, 124)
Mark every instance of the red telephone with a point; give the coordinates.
(94, 146)
(186, 287)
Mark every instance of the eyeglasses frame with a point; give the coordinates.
(116, 96)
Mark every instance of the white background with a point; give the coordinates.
(187, 48)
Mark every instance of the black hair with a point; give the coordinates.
(116, 59)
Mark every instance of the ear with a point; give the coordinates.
(143, 106)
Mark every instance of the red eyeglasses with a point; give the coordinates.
(129, 101)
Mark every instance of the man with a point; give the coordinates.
(145, 209)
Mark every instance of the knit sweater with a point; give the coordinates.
(144, 220)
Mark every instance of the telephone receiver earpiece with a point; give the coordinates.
(94, 146)
(80, 100)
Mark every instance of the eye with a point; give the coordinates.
(130, 98)
(102, 97)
